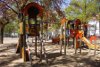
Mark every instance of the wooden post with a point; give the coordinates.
(95, 47)
(75, 40)
(80, 45)
(24, 41)
(36, 36)
(75, 45)
(65, 38)
(80, 39)
(67, 42)
(68, 37)
(61, 39)
(41, 39)
(35, 45)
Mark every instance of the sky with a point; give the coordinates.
(66, 5)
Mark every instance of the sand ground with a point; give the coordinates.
(9, 58)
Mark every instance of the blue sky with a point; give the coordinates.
(66, 5)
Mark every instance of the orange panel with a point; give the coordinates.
(63, 20)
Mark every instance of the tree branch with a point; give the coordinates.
(24, 4)
(9, 7)
(17, 5)
(7, 21)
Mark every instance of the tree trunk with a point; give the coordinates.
(1, 35)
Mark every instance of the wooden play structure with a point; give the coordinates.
(78, 35)
(70, 31)
(33, 11)
(74, 31)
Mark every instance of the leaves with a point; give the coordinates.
(82, 9)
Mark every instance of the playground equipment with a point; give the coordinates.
(70, 32)
(86, 41)
(73, 26)
(78, 36)
(32, 10)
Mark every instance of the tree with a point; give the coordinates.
(7, 14)
(6, 17)
(11, 28)
(82, 9)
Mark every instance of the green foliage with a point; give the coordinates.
(82, 9)
(55, 26)
(11, 27)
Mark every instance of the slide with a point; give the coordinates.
(87, 42)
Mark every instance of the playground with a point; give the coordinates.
(43, 34)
